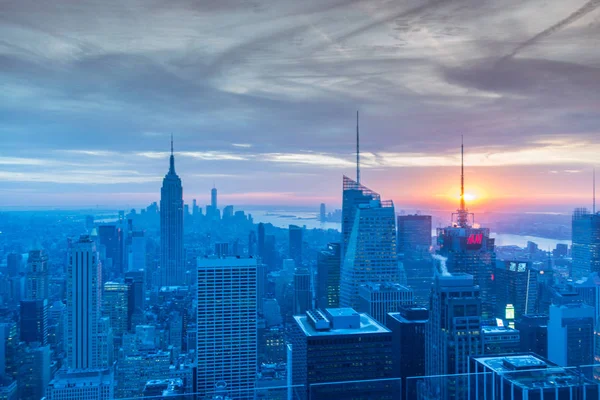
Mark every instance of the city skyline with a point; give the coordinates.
(267, 110)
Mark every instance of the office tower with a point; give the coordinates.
(261, 241)
(13, 264)
(270, 257)
(452, 334)
(172, 267)
(57, 327)
(115, 304)
(37, 275)
(137, 251)
(571, 334)
(586, 243)
(379, 299)
(515, 285)
(354, 194)
(328, 276)
(408, 343)
(35, 373)
(533, 331)
(526, 376)
(135, 370)
(96, 384)
(414, 234)
(112, 240)
(8, 389)
(295, 239)
(323, 213)
(34, 321)
(135, 281)
(371, 249)
(227, 300)
(84, 285)
(499, 340)
(469, 250)
(341, 345)
(302, 291)
(221, 249)
(213, 198)
(10, 356)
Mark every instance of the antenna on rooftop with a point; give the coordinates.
(357, 151)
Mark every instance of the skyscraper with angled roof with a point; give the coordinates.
(172, 266)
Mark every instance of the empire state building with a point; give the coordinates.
(172, 267)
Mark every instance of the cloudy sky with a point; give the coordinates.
(261, 97)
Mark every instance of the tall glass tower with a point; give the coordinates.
(84, 282)
(172, 268)
(227, 326)
(369, 240)
(586, 243)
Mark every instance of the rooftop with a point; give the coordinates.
(497, 329)
(385, 286)
(530, 371)
(367, 325)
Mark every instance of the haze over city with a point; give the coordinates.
(261, 98)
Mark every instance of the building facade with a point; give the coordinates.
(379, 299)
(227, 325)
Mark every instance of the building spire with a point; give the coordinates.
(594, 191)
(357, 151)
(463, 214)
(172, 159)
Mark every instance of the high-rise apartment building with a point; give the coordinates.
(571, 334)
(379, 299)
(172, 266)
(227, 325)
(452, 335)
(295, 242)
(84, 285)
(328, 276)
(370, 249)
(586, 243)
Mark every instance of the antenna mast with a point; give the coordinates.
(357, 151)
(171, 144)
(594, 191)
(462, 174)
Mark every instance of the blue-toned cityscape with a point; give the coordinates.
(299, 200)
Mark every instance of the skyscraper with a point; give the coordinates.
(261, 241)
(137, 252)
(379, 299)
(295, 242)
(571, 334)
(37, 275)
(115, 305)
(213, 199)
(469, 249)
(84, 283)
(302, 291)
(586, 243)
(172, 268)
(34, 321)
(328, 276)
(533, 331)
(452, 335)
(370, 242)
(341, 345)
(227, 325)
(516, 285)
(414, 233)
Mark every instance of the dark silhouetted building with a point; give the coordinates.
(533, 330)
(302, 291)
(414, 233)
(571, 334)
(341, 345)
(516, 285)
(328, 276)
(295, 239)
(452, 335)
(499, 340)
(408, 343)
(34, 321)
